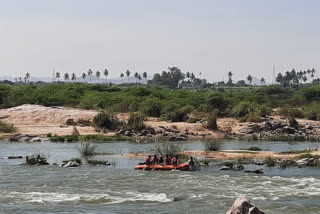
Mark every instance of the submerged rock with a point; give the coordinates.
(257, 171)
(70, 164)
(243, 206)
(225, 168)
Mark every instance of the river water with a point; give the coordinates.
(120, 189)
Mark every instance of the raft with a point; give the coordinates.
(181, 167)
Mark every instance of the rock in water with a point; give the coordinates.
(243, 206)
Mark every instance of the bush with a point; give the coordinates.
(174, 113)
(152, 107)
(6, 128)
(312, 112)
(290, 111)
(293, 123)
(254, 148)
(212, 146)
(253, 117)
(168, 148)
(269, 161)
(135, 121)
(86, 149)
(229, 164)
(212, 122)
(106, 120)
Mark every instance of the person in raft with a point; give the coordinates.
(148, 160)
(191, 162)
(161, 160)
(155, 159)
(175, 160)
(168, 160)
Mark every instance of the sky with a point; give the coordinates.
(207, 36)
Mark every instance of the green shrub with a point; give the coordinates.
(212, 146)
(269, 161)
(212, 122)
(254, 148)
(168, 148)
(152, 107)
(174, 113)
(293, 123)
(290, 111)
(312, 111)
(229, 164)
(86, 149)
(106, 120)
(6, 128)
(136, 121)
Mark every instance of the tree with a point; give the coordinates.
(128, 75)
(263, 81)
(84, 76)
(90, 72)
(66, 77)
(188, 75)
(98, 74)
(145, 76)
(139, 78)
(136, 76)
(58, 76)
(27, 77)
(230, 78)
(279, 78)
(121, 76)
(170, 78)
(106, 73)
(73, 77)
(249, 78)
(192, 76)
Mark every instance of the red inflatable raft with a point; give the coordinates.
(182, 167)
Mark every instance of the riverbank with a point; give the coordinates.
(41, 122)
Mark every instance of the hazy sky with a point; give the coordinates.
(208, 36)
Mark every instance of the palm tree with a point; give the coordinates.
(98, 76)
(84, 76)
(20, 79)
(28, 76)
(313, 72)
(139, 78)
(106, 73)
(90, 72)
(58, 76)
(192, 76)
(263, 81)
(230, 76)
(188, 75)
(249, 78)
(73, 77)
(279, 78)
(145, 75)
(128, 75)
(66, 77)
(136, 76)
(122, 75)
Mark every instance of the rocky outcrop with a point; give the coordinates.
(70, 164)
(26, 138)
(243, 206)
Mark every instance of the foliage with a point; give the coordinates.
(135, 121)
(212, 146)
(168, 148)
(254, 148)
(6, 128)
(174, 113)
(269, 161)
(212, 121)
(312, 112)
(106, 120)
(86, 149)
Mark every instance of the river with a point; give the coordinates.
(120, 189)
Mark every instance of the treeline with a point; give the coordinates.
(248, 104)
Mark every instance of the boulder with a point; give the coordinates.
(225, 168)
(127, 133)
(71, 164)
(36, 139)
(288, 130)
(243, 206)
(257, 171)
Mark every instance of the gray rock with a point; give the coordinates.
(225, 168)
(127, 133)
(289, 130)
(36, 139)
(71, 164)
(243, 206)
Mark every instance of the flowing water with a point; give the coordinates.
(120, 189)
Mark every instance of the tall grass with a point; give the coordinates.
(86, 149)
(168, 148)
(212, 146)
(6, 128)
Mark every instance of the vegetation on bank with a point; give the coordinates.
(89, 138)
(6, 128)
(174, 105)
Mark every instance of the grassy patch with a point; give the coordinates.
(97, 162)
(254, 148)
(308, 155)
(212, 146)
(269, 161)
(241, 152)
(6, 128)
(296, 152)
